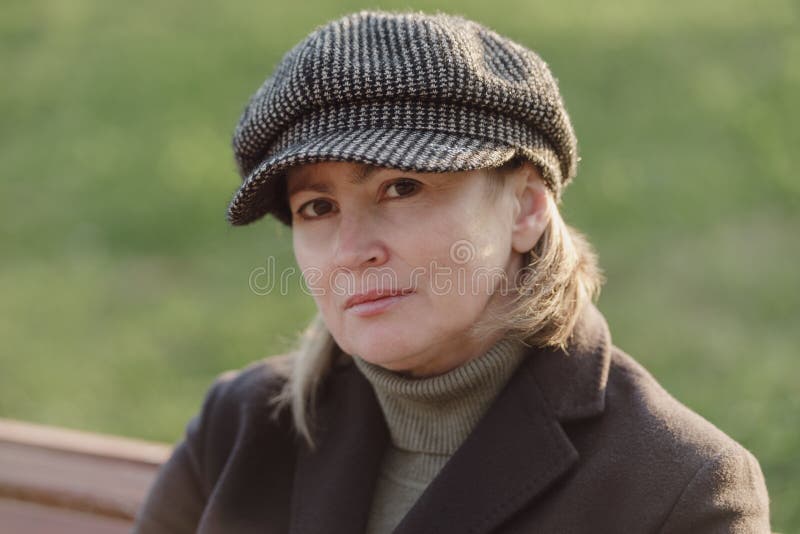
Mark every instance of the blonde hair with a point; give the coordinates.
(560, 276)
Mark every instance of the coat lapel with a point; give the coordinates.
(333, 484)
(515, 452)
(519, 448)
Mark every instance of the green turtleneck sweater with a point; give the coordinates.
(428, 419)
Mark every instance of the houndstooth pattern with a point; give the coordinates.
(418, 92)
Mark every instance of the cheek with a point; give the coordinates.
(311, 269)
(468, 271)
(328, 288)
(445, 314)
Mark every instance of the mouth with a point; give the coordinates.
(375, 296)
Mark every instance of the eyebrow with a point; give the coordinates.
(362, 175)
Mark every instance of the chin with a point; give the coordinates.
(385, 351)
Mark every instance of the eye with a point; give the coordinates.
(404, 187)
(315, 208)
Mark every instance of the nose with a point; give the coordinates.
(358, 244)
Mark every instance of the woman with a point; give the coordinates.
(458, 377)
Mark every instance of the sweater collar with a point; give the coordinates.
(435, 414)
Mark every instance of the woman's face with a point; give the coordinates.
(436, 242)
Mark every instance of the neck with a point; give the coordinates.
(434, 414)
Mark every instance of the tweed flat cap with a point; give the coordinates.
(412, 91)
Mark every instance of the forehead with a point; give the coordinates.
(313, 176)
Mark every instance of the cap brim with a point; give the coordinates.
(264, 189)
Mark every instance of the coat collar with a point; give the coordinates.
(574, 380)
(516, 451)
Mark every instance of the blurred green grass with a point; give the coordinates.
(123, 292)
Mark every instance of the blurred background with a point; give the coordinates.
(123, 292)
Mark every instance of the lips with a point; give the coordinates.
(374, 294)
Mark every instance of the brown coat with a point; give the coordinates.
(579, 442)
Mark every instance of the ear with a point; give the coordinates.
(531, 208)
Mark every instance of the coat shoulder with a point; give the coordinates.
(256, 382)
(699, 469)
(235, 428)
(669, 423)
(238, 403)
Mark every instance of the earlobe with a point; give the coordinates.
(532, 213)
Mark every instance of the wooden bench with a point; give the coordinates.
(58, 480)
